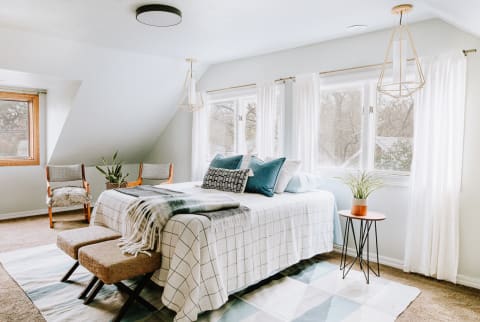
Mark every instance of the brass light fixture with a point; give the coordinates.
(191, 101)
(405, 76)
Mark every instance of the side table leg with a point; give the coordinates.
(376, 244)
(347, 233)
(368, 225)
(343, 259)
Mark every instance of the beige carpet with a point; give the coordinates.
(439, 301)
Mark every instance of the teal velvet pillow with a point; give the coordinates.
(265, 175)
(231, 163)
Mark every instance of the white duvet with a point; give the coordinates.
(202, 265)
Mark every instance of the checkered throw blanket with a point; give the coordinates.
(147, 216)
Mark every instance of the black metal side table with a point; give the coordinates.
(363, 239)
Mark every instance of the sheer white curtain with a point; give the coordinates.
(270, 111)
(200, 140)
(304, 130)
(433, 224)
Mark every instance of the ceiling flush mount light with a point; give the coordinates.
(191, 100)
(159, 15)
(400, 77)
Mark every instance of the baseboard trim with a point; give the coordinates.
(468, 281)
(37, 212)
(396, 263)
(385, 260)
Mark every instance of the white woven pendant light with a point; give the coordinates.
(191, 100)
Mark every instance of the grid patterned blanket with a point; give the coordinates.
(202, 264)
(146, 217)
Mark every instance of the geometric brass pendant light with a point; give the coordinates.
(400, 75)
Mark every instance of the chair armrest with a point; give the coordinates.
(134, 183)
(49, 189)
(86, 186)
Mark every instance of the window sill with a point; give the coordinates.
(389, 178)
(18, 163)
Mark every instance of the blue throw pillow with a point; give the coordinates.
(231, 163)
(265, 175)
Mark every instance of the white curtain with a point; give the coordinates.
(433, 224)
(270, 115)
(200, 140)
(304, 130)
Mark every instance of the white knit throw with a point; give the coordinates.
(146, 218)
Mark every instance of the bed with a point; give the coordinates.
(202, 264)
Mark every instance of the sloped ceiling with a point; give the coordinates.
(131, 75)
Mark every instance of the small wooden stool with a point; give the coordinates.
(109, 266)
(70, 241)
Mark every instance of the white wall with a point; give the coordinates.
(99, 100)
(431, 38)
(27, 189)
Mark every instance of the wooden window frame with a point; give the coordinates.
(34, 130)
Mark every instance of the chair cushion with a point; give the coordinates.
(62, 173)
(70, 241)
(68, 196)
(106, 261)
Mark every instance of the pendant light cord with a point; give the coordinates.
(401, 16)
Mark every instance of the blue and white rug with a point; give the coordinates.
(310, 291)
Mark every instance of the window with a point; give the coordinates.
(394, 133)
(359, 129)
(19, 131)
(340, 130)
(232, 127)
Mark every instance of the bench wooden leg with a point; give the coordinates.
(88, 288)
(124, 288)
(134, 295)
(70, 271)
(94, 292)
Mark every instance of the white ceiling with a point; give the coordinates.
(220, 30)
(71, 39)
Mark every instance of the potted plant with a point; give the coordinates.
(113, 172)
(362, 185)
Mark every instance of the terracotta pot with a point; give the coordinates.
(359, 207)
(111, 185)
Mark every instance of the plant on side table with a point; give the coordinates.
(362, 184)
(113, 172)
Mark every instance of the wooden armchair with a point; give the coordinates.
(152, 171)
(61, 192)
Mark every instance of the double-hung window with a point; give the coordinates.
(19, 129)
(232, 122)
(360, 129)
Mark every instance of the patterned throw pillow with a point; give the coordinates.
(226, 180)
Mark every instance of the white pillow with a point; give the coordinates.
(246, 160)
(304, 182)
(289, 169)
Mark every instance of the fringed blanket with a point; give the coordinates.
(147, 191)
(147, 216)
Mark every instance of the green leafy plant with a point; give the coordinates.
(113, 170)
(362, 184)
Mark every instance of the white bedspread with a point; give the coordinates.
(202, 265)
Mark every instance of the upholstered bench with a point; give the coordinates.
(70, 241)
(110, 266)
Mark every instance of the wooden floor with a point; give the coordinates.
(439, 301)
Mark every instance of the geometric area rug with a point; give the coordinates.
(312, 290)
